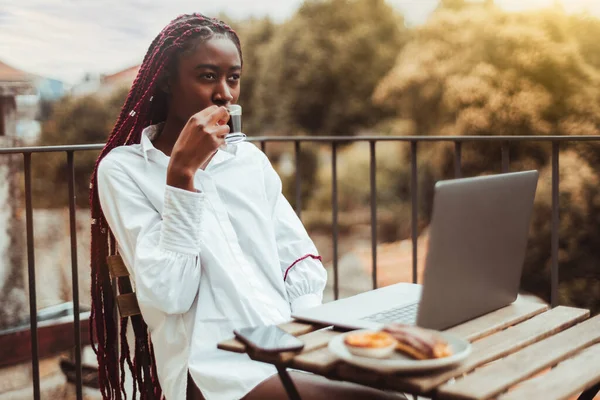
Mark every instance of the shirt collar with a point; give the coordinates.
(148, 135)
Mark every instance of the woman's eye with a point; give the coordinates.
(235, 77)
(209, 76)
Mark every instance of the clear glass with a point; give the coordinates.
(235, 125)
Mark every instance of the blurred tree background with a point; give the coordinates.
(319, 70)
(352, 67)
(477, 70)
(83, 120)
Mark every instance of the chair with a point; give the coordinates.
(128, 307)
(122, 289)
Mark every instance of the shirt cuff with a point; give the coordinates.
(182, 216)
(306, 301)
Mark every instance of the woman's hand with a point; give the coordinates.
(200, 138)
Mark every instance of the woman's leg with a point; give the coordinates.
(193, 393)
(315, 387)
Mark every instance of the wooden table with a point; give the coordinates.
(511, 348)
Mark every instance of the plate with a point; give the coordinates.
(399, 362)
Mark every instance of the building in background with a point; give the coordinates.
(105, 85)
(13, 84)
(21, 96)
(111, 83)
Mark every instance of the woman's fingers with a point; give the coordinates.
(217, 115)
(220, 131)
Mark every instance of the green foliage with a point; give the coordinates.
(308, 163)
(453, 4)
(482, 71)
(393, 191)
(319, 69)
(85, 120)
(255, 35)
(579, 242)
(586, 30)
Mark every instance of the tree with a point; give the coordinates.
(453, 4)
(482, 71)
(579, 242)
(255, 35)
(319, 69)
(586, 30)
(86, 120)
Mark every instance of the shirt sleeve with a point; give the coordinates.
(162, 252)
(301, 267)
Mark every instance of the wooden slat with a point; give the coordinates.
(299, 328)
(233, 345)
(320, 361)
(359, 375)
(495, 321)
(116, 266)
(323, 361)
(497, 377)
(496, 346)
(128, 305)
(312, 341)
(318, 339)
(567, 379)
(292, 327)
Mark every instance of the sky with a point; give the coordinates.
(64, 39)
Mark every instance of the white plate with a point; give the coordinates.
(399, 362)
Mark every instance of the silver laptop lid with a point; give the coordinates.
(478, 239)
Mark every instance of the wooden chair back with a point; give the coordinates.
(122, 288)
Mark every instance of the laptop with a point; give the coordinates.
(477, 243)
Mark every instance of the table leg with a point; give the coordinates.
(288, 384)
(590, 393)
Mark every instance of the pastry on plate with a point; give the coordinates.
(370, 344)
(418, 343)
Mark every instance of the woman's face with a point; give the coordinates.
(207, 75)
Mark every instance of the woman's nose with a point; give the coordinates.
(223, 94)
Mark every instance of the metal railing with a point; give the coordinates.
(503, 141)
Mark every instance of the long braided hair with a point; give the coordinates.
(146, 104)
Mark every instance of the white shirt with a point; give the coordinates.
(208, 262)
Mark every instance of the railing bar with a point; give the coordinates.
(334, 210)
(35, 361)
(50, 149)
(555, 225)
(505, 157)
(336, 139)
(414, 208)
(373, 182)
(75, 274)
(457, 159)
(298, 180)
(490, 139)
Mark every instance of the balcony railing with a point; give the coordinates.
(414, 141)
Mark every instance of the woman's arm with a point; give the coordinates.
(301, 267)
(161, 252)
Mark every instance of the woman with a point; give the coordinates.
(203, 228)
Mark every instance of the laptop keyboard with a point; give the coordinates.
(404, 315)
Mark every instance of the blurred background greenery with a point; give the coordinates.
(352, 67)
